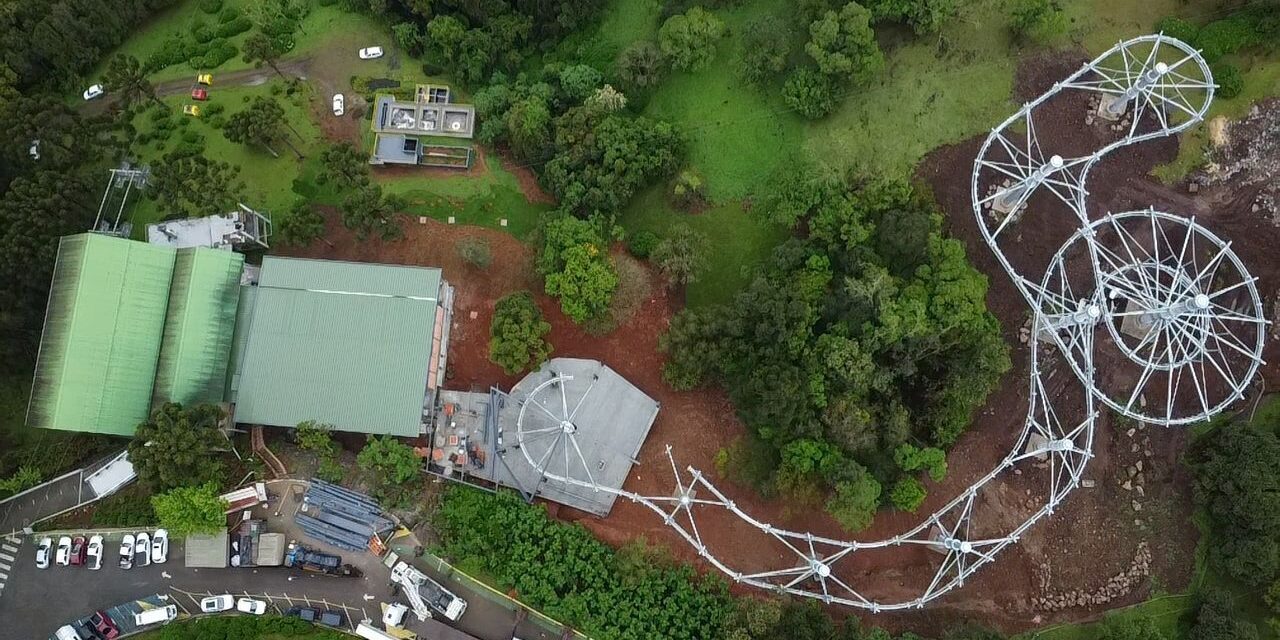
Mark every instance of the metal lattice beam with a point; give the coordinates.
(1162, 295)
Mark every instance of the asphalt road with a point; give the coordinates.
(23, 509)
(60, 594)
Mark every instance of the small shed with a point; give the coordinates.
(270, 550)
(206, 551)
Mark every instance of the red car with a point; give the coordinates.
(102, 623)
(200, 94)
(78, 551)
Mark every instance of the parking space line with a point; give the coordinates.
(4, 576)
(6, 557)
(8, 548)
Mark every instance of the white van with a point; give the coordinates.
(66, 632)
(154, 616)
(366, 631)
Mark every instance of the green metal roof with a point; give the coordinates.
(198, 327)
(240, 339)
(102, 335)
(339, 342)
(359, 278)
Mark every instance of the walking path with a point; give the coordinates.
(55, 497)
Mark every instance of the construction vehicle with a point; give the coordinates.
(425, 595)
(314, 561)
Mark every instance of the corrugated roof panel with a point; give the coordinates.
(198, 329)
(240, 338)
(341, 349)
(102, 335)
(350, 277)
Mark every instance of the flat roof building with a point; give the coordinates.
(241, 229)
(572, 418)
(344, 343)
(416, 132)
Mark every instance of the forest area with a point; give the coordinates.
(853, 339)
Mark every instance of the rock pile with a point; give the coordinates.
(1117, 586)
(1091, 116)
(1249, 153)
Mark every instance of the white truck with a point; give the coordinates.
(425, 595)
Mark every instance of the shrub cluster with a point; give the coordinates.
(634, 593)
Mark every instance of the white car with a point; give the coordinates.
(217, 604)
(64, 551)
(367, 53)
(42, 553)
(96, 91)
(142, 549)
(249, 605)
(339, 104)
(95, 553)
(160, 546)
(126, 551)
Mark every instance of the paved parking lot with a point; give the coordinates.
(54, 497)
(10, 547)
(62, 594)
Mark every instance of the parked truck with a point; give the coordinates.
(424, 594)
(315, 561)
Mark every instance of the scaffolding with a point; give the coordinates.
(1142, 289)
(115, 198)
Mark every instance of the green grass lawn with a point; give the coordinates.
(268, 180)
(325, 30)
(738, 242)
(1261, 81)
(735, 133)
(483, 201)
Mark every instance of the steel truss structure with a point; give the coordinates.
(1161, 302)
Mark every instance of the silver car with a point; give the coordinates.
(142, 549)
(126, 551)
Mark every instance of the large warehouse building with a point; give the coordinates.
(133, 325)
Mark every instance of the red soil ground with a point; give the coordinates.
(1095, 536)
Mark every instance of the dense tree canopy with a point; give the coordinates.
(924, 16)
(302, 226)
(367, 210)
(843, 44)
(344, 165)
(681, 255)
(188, 184)
(809, 93)
(602, 159)
(641, 65)
(575, 264)
(187, 510)
(262, 123)
(864, 340)
(1218, 618)
(59, 40)
(474, 39)
(633, 594)
(517, 333)
(1236, 481)
(765, 48)
(393, 469)
(126, 77)
(688, 40)
(179, 447)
